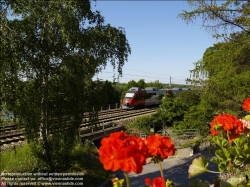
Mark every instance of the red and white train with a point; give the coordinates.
(137, 97)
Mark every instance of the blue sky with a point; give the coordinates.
(162, 45)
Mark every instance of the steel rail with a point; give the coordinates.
(107, 119)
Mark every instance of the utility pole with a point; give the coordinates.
(170, 83)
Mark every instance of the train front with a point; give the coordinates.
(128, 100)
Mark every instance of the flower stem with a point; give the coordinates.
(127, 179)
(213, 171)
(159, 162)
(231, 164)
(228, 138)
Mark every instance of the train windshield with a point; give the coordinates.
(131, 91)
(129, 96)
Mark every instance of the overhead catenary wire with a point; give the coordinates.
(175, 80)
(149, 72)
(125, 80)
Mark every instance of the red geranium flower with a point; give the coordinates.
(147, 181)
(228, 123)
(246, 104)
(157, 182)
(120, 151)
(160, 145)
(110, 155)
(134, 155)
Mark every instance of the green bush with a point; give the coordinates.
(144, 124)
(83, 158)
(19, 159)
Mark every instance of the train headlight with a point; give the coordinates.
(126, 104)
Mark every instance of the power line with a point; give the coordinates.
(147, 73)
(143, 76)
(126, 79)
(144, 72)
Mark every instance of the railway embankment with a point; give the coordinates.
(108, 121)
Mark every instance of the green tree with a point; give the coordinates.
(199, 75)
(141, 83)
(50, 52)
(219, 16)
(171, 110)
(228, 67)
(108, 94)
(156, 84)
(226, 63)
(197, 113)
(119, 87)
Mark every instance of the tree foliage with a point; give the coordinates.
(198, 75)
(172, 109)
(109, 95)
(156, 84)
(140, 124)
(217, 15)
(50, 50)
(228, 66)
(225, 64)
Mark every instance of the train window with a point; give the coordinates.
(155, 96)
(144, 96)
(151, 95)
(131, 91)
(140, 96)
(128, 98)
(136, 97)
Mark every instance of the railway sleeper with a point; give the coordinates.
(107, 121)
(101, 127)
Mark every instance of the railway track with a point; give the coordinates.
(107, 119)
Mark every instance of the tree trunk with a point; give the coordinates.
(43, 122)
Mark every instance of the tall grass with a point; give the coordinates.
(83, 159)
(18, 159)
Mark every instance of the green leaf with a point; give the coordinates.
(215, 160)
(198, 166)
(198, 183)
(246, 147)
(220, 154)
(233, 182)
(232, 151)
(247, 117)
(222, 142)
(239, 142)
(220, 162)
(222, 166)
(225, 184)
